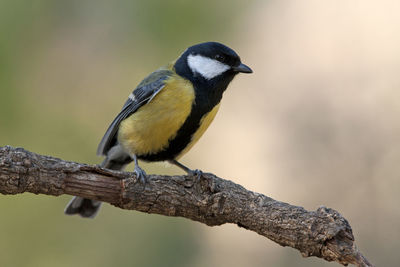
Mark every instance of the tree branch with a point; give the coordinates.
(211, 200)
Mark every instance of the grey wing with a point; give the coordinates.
(142, 95)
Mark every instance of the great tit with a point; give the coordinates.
(166, 113)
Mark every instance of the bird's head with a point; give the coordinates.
(209, 63)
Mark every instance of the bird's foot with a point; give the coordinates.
(197, 173)
(140, 174)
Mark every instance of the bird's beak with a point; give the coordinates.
(242, 68)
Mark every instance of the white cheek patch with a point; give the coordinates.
(206, 67)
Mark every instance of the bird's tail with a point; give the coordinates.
(88, 208)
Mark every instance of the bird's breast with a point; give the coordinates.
(152, 126)
(203, 125)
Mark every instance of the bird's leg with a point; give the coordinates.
(196, 172)
(140, 173)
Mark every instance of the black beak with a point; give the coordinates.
(242, 68)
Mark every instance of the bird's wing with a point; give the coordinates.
(140, 96)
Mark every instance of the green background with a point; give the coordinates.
(317, 123)
(39, 41)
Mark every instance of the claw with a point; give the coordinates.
(197, 173)
(140, 174)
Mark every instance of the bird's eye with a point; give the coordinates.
(220, 58)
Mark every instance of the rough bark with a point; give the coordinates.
(210, 200)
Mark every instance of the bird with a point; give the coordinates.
(166, 114)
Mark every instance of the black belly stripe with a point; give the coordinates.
(183, 137)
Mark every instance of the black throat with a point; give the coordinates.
(208, 91)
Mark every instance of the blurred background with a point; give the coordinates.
(316, 124)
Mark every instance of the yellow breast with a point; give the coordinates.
(150, 128)
(204, 123)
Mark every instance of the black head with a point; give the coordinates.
(210, 62)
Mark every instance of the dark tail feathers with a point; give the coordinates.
(86, 208)
(116, 159)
